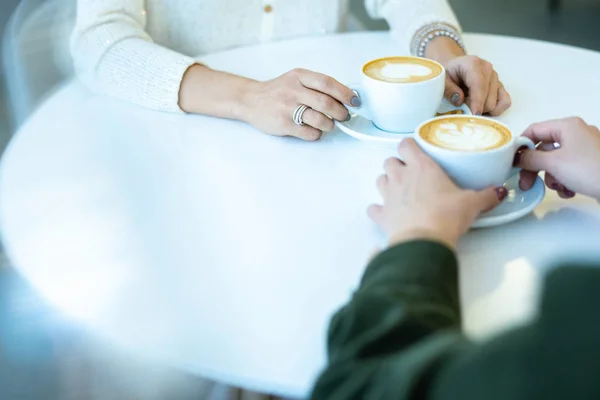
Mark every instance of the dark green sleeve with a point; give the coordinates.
(399, 337)
(400, 323)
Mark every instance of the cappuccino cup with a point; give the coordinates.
(476, 152)
(398, 93)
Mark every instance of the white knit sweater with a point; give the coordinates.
(139, 50)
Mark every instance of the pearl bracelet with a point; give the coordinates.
(429, 32)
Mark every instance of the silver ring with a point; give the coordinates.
(299, 113)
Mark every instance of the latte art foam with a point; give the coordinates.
(402, 69)
(465, 134)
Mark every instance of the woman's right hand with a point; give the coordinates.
(270, 105)
(573, 167)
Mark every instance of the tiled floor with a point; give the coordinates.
(43, 357)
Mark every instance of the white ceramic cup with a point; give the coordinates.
(399, 107)
(476, 170)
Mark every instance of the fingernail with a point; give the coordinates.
(501, 192)
(348, 118)
(522, 185)
(554, 186)
(478, 113)
(355, 102)
(455, 99)
(569, 193)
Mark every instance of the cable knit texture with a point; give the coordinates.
(139, 50)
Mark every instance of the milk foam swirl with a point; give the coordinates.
(403, 71)
(467, 135)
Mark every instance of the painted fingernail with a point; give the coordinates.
(569, 193)
(348, 118)
(455, 99)
(355, 102)
(501, 192)
(522, 185)
(554, 186)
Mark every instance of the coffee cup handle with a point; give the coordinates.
(521, 142)
(362, 109)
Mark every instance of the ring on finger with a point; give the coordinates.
(299, 113)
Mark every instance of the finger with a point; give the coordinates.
(375, 212)
(551, 182)
(488, 199)
(393, 168)
(504, 102)
(323, 103)
(382, 184)
(492, 98)
(318, 120)
(410, 152)
(305, 132)
(453, 93)
(553, 130)
(527, 180)
(566, 193)
(535, 160)
(327, 85)
(478, 85)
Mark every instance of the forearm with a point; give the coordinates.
(210, 92)
(401, 323)
(410, 289)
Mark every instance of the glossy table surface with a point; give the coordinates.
(222, 251)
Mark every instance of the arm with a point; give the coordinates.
(398, 338)
(114, 55)
(402, 320)
(406, 17)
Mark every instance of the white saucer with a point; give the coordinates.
(517, 205)
(362, 128)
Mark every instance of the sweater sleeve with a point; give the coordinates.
(114, 55)
(406, 17)
(403, 320)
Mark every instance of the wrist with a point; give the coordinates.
(443, 50)
(245, 101)
(434, 235)
(220, 94)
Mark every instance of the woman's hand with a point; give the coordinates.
(475, 81)
(469, 79)
(269, 106)
(573, 167)
(421, 202)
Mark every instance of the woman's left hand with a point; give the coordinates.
(474, 80)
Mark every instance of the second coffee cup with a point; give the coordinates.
(476, 152)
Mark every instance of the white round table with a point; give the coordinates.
(211, 247)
